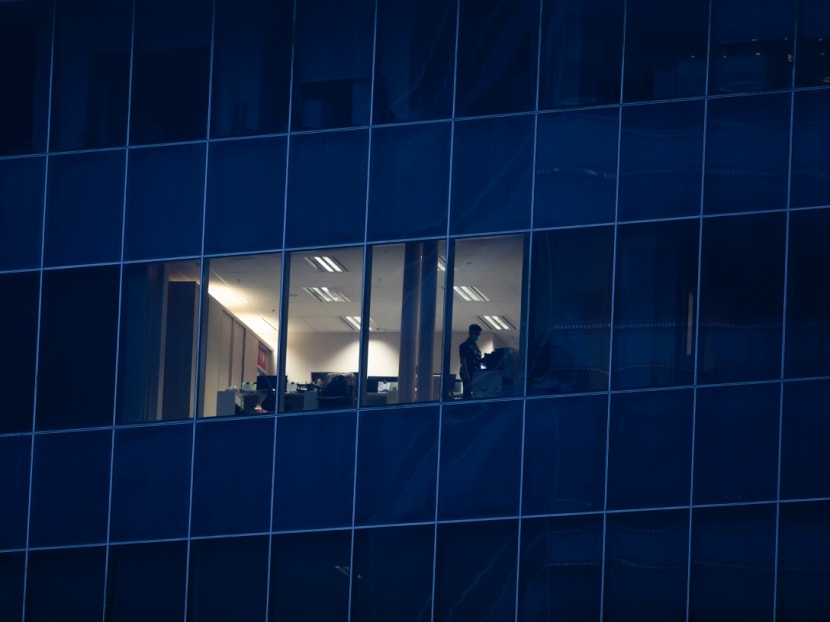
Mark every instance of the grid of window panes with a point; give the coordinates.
(241, 242)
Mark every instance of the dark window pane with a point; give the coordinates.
(91, 74)
(570, 311)
(576, 168)
(84, 209)
(314, 476)
(393, 567)
(564, 455)
(741, 298)
(25, 46)
(396, 466)
(560, 572)
(805, 429)
(12, 571)
(733, 551)
(810, 157)
(747, 147)
(661, 157)
(19, 344)
(327, 188)
(581, 53)
(245, 195)
(803, 568)
(492, 162)
(66, 584)
(813, 66)
(480, 460)
(171, 70)
(228, 579)
(151, 482)
(654, 305)
(752, 45)
(475, 571)
(165, 200)
(646, 562)
(410, 179)
(497, 56)
(21, 212)
(414, 60)
(332, 63)
(665, 55)
(232, 477)
(310, 576)
(736, 444)
(15, 464)
(650, 450)
(71, 360)
(251, 67)
(70, 488)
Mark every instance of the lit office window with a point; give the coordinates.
(157, 351)
(323, 329)
(240, 320)
(405, 323)
(488, 290)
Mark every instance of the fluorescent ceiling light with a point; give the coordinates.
(353, 322)
(326, 294)
(442, 264)
(497, 322)
(324, 263)
(470, 293)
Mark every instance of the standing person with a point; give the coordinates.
(470, 357)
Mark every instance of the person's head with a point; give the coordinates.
(475, 331)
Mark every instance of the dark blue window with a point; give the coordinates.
(19, 345)
(810, 158)
(12, 572)
(21, 212)
(15, 464)
(813, 65)
(65, 584)
(804, 431)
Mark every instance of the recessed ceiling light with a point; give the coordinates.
(470, 293)
(324, 263)
(326, 294)
(497, 322)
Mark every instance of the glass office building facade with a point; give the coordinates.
(241, 242)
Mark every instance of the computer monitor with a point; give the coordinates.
(269, 384)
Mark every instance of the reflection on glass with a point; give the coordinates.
(157, 350)
(323, 329)
(240, 318)
(405, 323)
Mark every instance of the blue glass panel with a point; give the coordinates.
(747, 150)
(15, 464)
(497, 56)
(310, 576)
(661, 160)
(70, 480)
(810, 157)
(733, 557)
(146, 582)
(314, 475)
(245, 195)
(84, 208)
(91, 73)
(576, 168)
(151, 483)
(805, 428)
(560, 571)
(75, 363)
(65, 584)
(12, 572)
(414, 60)
(813, 65)
(17, 383)
(232, 476)
(736, 444)
(332, 63)
(327, 188)
(646, 564)
(564, 469)
(480, 460)
(581, 53)
(394, 574)
(665, 49)
(228, 579)
(21, 212)
(741, 298)
(751, 47)
(650, 449)
(492, 162)
(396, 466)
(251, 67)
(409, 180)
(165, 199)
(475, 571)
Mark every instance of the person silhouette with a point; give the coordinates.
(470, 357)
